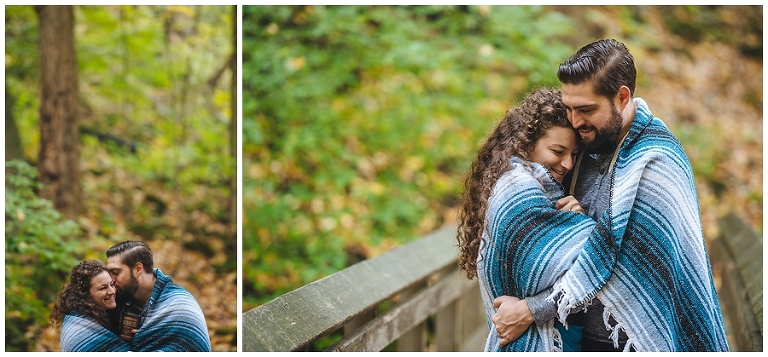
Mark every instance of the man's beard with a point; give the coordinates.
(125, 293)
(605, 140)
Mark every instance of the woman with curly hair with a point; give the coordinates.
(82, 309)
(518, 232)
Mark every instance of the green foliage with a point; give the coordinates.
(144, 76)
(145, 71)
(40, 250)
(22, 71)
(153, 78)
(359, 122)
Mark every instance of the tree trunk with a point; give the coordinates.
(233, 125)
(59, 156)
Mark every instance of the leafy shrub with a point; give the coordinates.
(359, 122)
(40, 250)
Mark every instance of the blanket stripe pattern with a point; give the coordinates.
(172, 321)
(646, 260)
(80, 333)
(527, 246)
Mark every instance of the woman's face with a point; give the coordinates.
(103, 290)
(556, 150)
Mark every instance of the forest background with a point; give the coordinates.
(154, 88)
(359, 122)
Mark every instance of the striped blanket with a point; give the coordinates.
(528, 245)
(645, 259)
(171, 321)
(80, 333)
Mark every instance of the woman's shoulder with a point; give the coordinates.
(76, 316)
(525, 175)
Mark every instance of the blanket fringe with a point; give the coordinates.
(629, 345)
(566, 304)
(614, 329)
(557, 340)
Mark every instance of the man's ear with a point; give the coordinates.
(624, 96)
(138, 269)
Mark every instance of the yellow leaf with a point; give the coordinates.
(295, 63)
(376, 188)
(181, 9)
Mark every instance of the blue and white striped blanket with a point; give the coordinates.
(528, 245)
(645, 259)
(172, 321)
(83, 334)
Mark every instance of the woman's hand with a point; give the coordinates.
(512, 318)
(569, 203)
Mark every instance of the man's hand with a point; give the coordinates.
(512, 318)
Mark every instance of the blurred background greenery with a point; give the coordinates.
(359, 122)
(156, 163)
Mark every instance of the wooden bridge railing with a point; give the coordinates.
(411, 295)
(415, 297)
(737, 254)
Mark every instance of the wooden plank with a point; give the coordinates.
(739, 253)
(292, 321)
(415, 339)
(476, 340)
(746, 250)
(390, 326)
(446, 329)
(473, 319)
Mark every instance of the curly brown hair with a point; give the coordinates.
(516, 134)
(75, 296)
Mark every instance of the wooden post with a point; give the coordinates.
(360, 320)
(446, 331)
(415, 339)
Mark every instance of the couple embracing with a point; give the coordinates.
(127, 305)
(581, 221)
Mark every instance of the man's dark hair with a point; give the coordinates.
(132, 252)
(607, 64)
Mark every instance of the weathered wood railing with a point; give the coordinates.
(393, 298)
(738, 256)
(388, 299)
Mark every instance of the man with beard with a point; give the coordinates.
(153, 313)
(642, 281)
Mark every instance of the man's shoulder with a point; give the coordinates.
(167, 289)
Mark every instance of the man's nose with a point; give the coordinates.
(575, 119)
